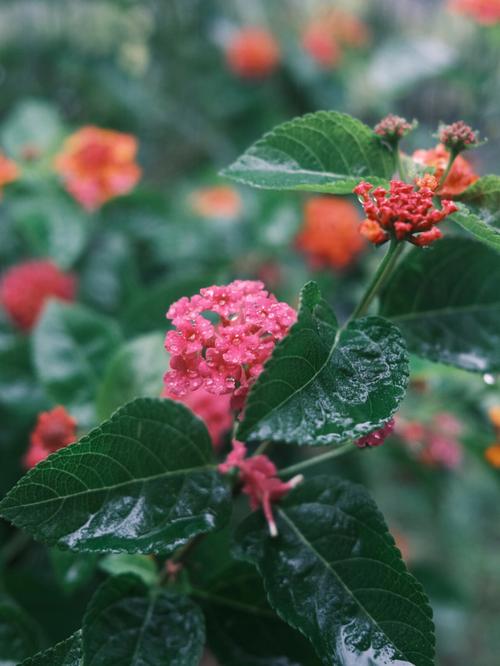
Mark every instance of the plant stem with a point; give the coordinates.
(380, 277)
(334, 453)
(453, 157)
(399, 164)
(261, 448)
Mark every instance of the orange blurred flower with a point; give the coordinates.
(494, 414)
(330, 234)
(221, 201)
(325, 35)
(321, 45)
(97, 165)
(253, 53)
(492, 455)
(54, 429)
(486, 12)
(460, 177)
(9, 171)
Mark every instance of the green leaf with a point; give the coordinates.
(72, 570)
(144, 481)
(142, 566)
(133, 372)
(243, 630)
(67, 653)
(446, 301)
(19, 636)
(323, 384)
(128, 625)
(325, 151)
(72, 346)
(483, 194)
(34, 124)
(478, 227)
(334, 573)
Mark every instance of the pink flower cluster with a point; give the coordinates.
(393, 128)
(435, 443)
(404, 213)
(258, 474)
(457, 136)
(376, 438)
(226, 355)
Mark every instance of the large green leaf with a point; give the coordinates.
(483, 194)
(476, 225)
(128, 625)
(133, 372)
(325, 151)
(144, 481)
(323, 384)
(334, 572)
(237, 612)
(67, 653)
(446, 301)
(19, 636)
(72, 346)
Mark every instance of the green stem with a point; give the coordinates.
(453, 157)
(334, 453)
(261, 448)
(399, 164)
(380, 277)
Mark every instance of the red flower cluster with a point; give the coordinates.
(221, 201)
(486, 12)
(376, 438)
(214, 410)
(253, 53)
(394, 128)
(330, 234)
(458, 136)
(258, 475)
(436, 443)
(54, 430)
(228, 355)
(97, 165)
(402, 213)
(26, 287)
(460, 177)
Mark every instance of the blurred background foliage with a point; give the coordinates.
(157, 69)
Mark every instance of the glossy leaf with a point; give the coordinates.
(144, 481)
(67, 653)
(71, 347)
(478, 227)
(323, 384)
(243, 630)
(128, 625)
(447, 303)
(334, 573)
(133, 372)
(142, 566)
(325, 151)
(19, 636)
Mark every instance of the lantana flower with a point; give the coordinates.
(330, 233)
(377, 437)
(253, 53)
(25, 287)
(258, 475)
(461, 175)
(54, 430)
(221, 201)
(404, 212)
(394, 128)
(436, 443)
(224, 354)
(97, 165)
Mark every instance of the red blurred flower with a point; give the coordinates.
(435, 443)
(9, 171)
(460, 177)
(54, 430)
(330, 234)
(320, 43)
(98, 164)
(253, 53)
(25, 288)
(221, 201)
(486, 12)
(213, 410)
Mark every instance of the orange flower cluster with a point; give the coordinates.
(492, 453)
(486, 12)
(326, 36)
(330, 234)
(220, 202)
(54, 430)
(98, 164)
(9, 171)
(460, 177)
(253, 53)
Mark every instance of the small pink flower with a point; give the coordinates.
(376, 438)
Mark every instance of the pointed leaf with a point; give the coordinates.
(334, 572)
(71, 346)
(67, 653)
(144, 481)
(128, 625)
(446, 301)
(478, 227)
(484, 194)
(323, 384)
(325, 151)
